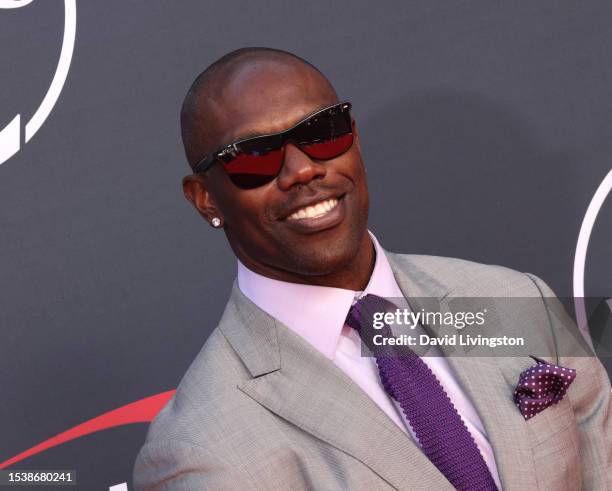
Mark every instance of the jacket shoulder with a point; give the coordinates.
(204, 394)
(204, 438)
(466, 278)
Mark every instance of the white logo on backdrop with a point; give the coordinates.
(10, 135)
(13, 4)
(604, 189)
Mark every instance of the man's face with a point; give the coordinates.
(261, 223)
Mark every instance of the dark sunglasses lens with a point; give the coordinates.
(328, 149)
(251, 171)
(327, 135)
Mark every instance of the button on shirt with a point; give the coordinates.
(320, 321)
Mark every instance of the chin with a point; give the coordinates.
(326, 259)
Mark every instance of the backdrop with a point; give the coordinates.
(487, 127)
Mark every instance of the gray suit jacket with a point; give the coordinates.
(261, 409)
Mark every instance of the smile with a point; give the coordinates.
(314, 211)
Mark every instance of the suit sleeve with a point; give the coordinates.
(174, 465)
(590, 399)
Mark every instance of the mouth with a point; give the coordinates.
(315, 210)
(317, 216)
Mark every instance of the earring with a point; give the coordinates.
(216, 222)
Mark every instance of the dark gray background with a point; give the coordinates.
(486, 128)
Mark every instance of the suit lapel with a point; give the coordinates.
(485, 380)
(296, 382)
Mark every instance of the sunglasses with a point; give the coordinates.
(253, 162)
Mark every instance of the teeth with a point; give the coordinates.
(315, 210)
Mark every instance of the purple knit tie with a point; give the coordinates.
(436, 423)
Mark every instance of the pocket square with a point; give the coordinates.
(541, 386)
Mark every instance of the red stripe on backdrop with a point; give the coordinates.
(142, 411)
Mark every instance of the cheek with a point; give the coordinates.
(245, 213)
(355, 171)
(351, 165)
(352, 168)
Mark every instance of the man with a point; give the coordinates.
(280, 396)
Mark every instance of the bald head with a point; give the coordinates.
(240, 87)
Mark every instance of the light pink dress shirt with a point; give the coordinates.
(320, 321)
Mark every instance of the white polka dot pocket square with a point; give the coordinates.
(541, 386)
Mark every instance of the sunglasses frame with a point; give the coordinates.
(228, 152)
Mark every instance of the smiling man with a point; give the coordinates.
(280, 397)
(306, 222)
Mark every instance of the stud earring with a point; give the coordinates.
(216, 222)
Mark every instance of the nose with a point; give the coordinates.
(298, 168)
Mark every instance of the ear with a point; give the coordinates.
(196, 192)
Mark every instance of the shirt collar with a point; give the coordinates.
(316, 313)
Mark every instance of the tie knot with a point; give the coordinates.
(367, 318)
(362, 314)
